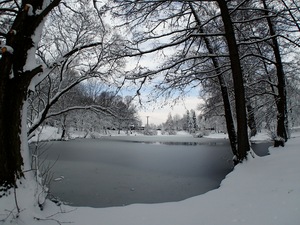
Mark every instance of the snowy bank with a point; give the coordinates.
(261, 191)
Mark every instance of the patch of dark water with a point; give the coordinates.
(261, 148)
(177, 143)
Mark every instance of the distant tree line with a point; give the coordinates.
(86, 108)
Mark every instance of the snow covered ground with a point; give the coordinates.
(261, 191)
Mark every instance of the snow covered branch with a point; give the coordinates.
(42, 115)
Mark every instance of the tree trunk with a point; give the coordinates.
(63, 119)
(226, 101)
(228, 116)
(14, 82)
(239, 90)
(281, 102)
(251, 118)
(13, 95)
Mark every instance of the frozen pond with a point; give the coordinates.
(116, 171)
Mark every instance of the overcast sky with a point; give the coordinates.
(158, 115)
(155, 111)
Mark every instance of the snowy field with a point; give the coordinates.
(261, 191)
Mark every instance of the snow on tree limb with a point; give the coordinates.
(7, 49)
(95, 108)
(43, 114)
(46, 71)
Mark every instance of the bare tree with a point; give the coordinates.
(178, 28)
(68, 30)
(222, 84)
(281, 103)
(21, 71)
(261, 47)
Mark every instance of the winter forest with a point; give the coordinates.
(89, 64)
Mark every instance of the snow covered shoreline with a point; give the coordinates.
(264, 190)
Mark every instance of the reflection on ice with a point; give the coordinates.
(178, 143)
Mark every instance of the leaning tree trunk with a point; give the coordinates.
(227, 106)
(223, 86)
(238, 82)
(281, 102)
(15, 78)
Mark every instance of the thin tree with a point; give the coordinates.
(223, 86)
(281, 103)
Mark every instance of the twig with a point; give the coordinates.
(16, 201)
(57, 221)
(10, 213)
(61, 212)
(51, 219)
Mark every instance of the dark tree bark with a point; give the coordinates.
(228, 116)
(251, 118)
(281, 103)
(223, 87)
(239, 90)
(14, 82)
(63, 127)
(13, 93)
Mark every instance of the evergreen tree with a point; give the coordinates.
(194, 121)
